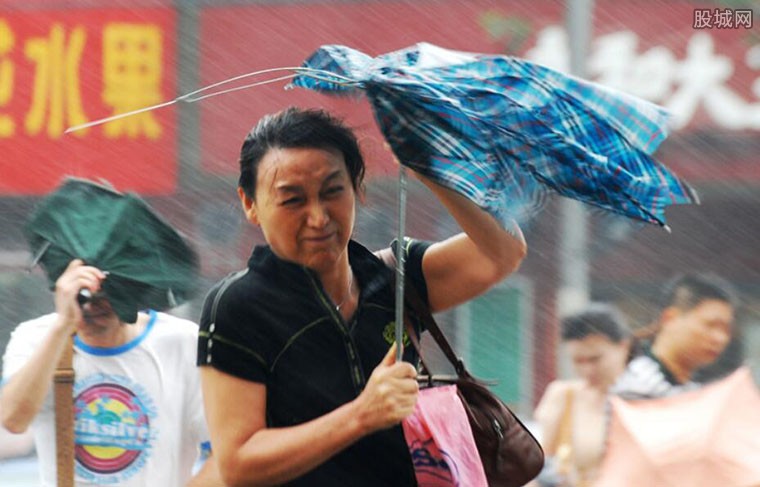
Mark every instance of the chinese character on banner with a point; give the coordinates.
(132, 77)
(700, 81)
(63, 68)
(56, 97)
(7, 41)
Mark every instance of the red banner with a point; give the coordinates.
(64, 68)
(702, 64)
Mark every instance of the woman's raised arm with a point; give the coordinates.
(468, 264)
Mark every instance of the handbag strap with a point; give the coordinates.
(63, 382)
(412, 334)
(413, 301)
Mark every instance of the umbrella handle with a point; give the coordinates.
(84, 296)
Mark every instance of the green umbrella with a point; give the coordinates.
(148, 263)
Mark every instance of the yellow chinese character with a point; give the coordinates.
(132, 65)
(7, 127)
(56, 91)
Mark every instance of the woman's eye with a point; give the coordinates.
(334, 190)
(291, 202)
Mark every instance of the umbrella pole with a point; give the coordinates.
(400, 254)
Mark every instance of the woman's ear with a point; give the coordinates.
(361, 194)
(249, 207)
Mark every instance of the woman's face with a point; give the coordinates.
(597, 359)
(304, 204)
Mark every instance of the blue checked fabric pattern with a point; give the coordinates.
(505, 132)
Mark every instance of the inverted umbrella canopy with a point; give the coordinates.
(704, 438)
(503, 131)
(148, 263)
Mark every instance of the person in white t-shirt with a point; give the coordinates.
(138, 407)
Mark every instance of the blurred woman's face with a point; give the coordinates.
(304, 204)
(597, 359)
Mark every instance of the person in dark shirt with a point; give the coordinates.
(299, 375)
(694, 327)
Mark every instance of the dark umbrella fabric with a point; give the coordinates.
(505, 132)
(148, 263)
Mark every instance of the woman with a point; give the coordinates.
(301, 386)
(572, 413)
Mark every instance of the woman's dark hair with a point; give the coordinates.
(298, 128)
(597, 319)
(687, 291)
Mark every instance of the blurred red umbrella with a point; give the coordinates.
(704, 438)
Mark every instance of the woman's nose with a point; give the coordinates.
(317, 216)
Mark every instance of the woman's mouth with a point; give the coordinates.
(319, 238)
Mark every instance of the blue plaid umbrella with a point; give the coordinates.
(502, 131)
(505, 132)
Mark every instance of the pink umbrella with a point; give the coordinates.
(704, 438)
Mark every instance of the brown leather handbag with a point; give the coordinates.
(511, 455)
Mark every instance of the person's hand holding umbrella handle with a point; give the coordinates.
(77, 280)
(24, 393)
(390, 394)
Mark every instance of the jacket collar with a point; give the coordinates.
(371, 273)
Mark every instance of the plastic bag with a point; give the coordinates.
(440, 441)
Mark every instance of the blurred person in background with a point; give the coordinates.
(694, 327)
(299, 374)
(139, 413)
(571, 413)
